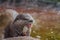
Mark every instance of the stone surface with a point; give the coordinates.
(21, 38)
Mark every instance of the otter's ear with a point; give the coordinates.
(15, 20)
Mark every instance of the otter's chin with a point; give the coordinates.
(23, 34)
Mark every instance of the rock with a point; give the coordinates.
(21, 38)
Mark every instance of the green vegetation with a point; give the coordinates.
(53, 0)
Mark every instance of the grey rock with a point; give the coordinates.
(21, 38)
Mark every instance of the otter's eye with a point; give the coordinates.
(25, 19)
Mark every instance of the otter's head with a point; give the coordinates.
(25, 20)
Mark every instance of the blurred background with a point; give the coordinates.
(45, 12)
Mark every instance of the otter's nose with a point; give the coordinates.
(30, 20)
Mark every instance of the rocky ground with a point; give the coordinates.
(21, 38)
